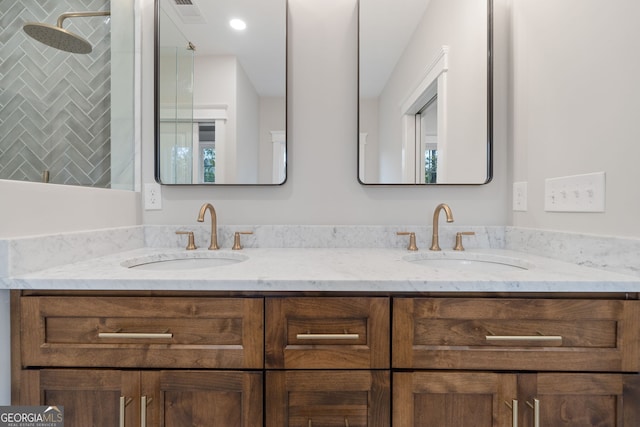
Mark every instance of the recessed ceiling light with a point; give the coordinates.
(238, 24)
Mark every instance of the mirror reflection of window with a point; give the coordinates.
(207, 145)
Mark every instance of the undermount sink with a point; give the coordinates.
(469, 262)
(183, 261)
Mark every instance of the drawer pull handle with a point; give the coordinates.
(309, 336)
(346, 422)
(135, 335)
(514, 411)
(523, 338)
(536, 412)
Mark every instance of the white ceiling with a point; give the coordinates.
(385, 28)
(260, 49)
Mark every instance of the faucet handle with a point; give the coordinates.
(191, 245)
(458, 246)
(412, 239)
(236, 239)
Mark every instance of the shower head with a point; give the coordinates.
(58, 37)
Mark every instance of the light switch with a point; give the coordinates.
(576, 193)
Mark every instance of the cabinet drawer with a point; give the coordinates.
(523, 334)
(328, 398)
(135, 331)
(327, 333)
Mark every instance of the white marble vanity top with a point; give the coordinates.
(324, 270)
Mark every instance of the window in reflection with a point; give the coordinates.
(207, 144)
(209, 164)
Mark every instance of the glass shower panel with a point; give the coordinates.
(176, 107)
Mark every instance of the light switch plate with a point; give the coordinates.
(576, 193)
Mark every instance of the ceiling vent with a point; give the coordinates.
(188, 11)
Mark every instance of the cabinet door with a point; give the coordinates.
(454, 399)
(327, 398)
(202, 398)
(104, 398)
(580, 400)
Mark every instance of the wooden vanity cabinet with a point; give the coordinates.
(108, 398)
(169, 361)
(327, 361)
(499, 362)
(328, 398)
(491, 399)
(300, 360)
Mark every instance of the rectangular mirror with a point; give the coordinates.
(425, 83)
(221, 92)
(67, 85)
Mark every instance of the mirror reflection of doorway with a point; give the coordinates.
(427, 155)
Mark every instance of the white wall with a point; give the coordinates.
(248, 114)
(576, 107)
(322, 186)
(28, 209)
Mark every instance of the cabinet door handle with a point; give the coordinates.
(523, 337)
(536, 412)
(143, 410)
(135, 335)
(123, 404)
(514, 412)
(327, 336)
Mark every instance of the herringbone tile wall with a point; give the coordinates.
(55, 108)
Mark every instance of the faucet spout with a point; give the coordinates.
(214, 224)
(435, 245)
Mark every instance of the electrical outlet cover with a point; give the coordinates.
(152, 196)
(520, 196)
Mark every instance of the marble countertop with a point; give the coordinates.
(328, 270)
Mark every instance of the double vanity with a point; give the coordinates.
(327, 336)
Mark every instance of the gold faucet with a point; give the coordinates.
(214, 224)
(436, 215)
